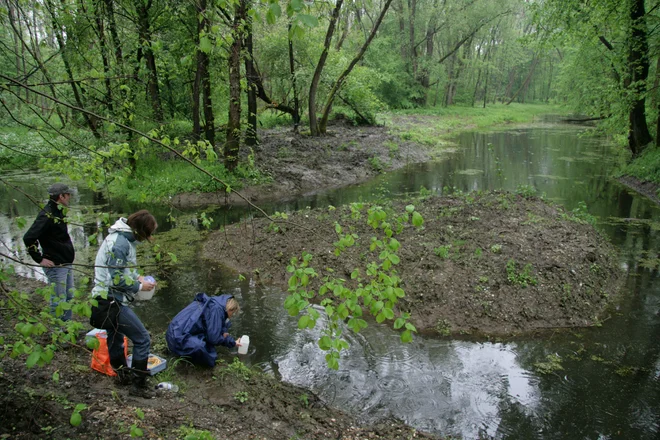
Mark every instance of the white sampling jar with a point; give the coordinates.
(245, 343)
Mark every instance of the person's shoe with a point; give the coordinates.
(140, 387)
(124, 374)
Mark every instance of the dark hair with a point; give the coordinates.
(142, 223)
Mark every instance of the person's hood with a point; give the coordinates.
(120, 226)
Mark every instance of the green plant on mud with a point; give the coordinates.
(241, 396)
(375, 287)
(553, 364)
(443, 327)
(522, 278)
(237, 369)
(190, 433)
(580, 215)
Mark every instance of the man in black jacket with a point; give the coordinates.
(50, 232)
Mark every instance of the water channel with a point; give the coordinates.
(609, 386)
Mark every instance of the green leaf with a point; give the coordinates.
(333, 363)
(406, 336)
(56, 376)
(380, 318)
(417, 219)
(411, 327)
(394, 258)
(32, 360)
(399, 323)
(410, 208)
(308, 20)
(303, 321)
(139, 413)
(20, 222)
(325, 343)
(205, 44)
(389, 314)
(76, 419)
(296, 5)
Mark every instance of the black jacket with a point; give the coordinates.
(50, 231)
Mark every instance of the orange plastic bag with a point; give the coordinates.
(101, 356)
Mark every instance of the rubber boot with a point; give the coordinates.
(140, 388)
(124, 376)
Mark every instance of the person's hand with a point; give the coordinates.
(224, 335)
(47, 263)
(238, 342)
(147, 285)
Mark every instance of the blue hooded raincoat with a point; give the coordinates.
(197, 329)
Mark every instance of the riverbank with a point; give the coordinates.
(229, 401)
(489, 263)
(298, 164)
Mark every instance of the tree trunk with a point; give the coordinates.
(313, 88)
(232, 146)
(292, 71)
(535, 61)
(340, 81)
(251, 132)
(638, 61)
(144, 33)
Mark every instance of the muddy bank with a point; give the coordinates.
(649, 189)
(300, 164)
(494, 263)
(229, 401)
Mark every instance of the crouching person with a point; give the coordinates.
(197, 329)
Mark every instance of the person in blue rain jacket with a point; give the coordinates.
(200, 326)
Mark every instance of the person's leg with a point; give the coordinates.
(132, 327)
(58, 277)
(116, 352)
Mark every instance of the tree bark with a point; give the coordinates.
(232, 146)
(251, 132)
(292, 71)
(638, 61)
(340, 81)
(313, 88)
(144, 33)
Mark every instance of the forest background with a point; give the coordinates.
(106, 90)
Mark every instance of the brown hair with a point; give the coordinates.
(142, 223)
(232, 306)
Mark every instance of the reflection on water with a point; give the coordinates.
(609, 386)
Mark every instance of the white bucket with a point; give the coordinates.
(145, 295)
(245, 343)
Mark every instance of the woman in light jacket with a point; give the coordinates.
(116, 275)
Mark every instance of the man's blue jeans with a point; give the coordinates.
(61, 277)
(129, 325)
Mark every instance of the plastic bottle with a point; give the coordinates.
(245, 344)
(167, 386)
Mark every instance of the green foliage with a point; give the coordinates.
(443, 327)
(241, 396)
(237, 369)
(646, 167)
(522, 278)
(190, 433)
(552, 364)
(76, 418)
(580, 215)
(442, 251)
(373, 288)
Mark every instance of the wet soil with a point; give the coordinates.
(229, 401)
(484, 263)
(299, 164)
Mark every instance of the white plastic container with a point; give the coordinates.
(245, 343)
(145, 295)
